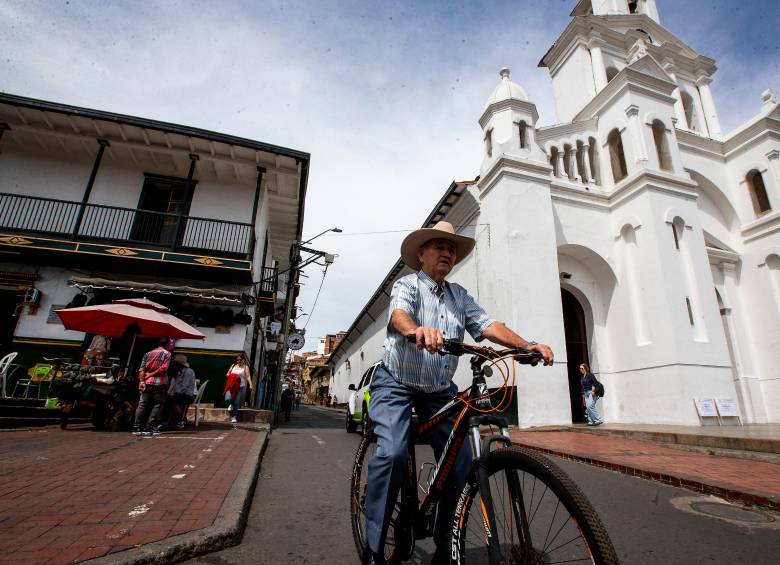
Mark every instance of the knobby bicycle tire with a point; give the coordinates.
(579, 538)
(357, 505)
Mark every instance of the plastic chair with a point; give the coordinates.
(5, 368)
(196, 402)
(40, 373)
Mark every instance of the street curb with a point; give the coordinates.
(226, 531)
(689, 484)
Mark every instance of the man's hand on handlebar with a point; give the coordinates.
(427, 338)
(544, 350)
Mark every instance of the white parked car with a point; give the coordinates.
(359, 399)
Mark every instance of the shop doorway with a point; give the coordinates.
(10, 307)
(575, 330)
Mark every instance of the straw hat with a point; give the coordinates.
(181, 359)
(442, 230)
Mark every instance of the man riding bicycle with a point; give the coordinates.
(425, 305)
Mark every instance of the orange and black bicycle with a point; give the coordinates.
(516, 506)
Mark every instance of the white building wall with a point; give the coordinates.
(573, 84)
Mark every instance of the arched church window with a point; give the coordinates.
(523, 131)
(678, 225)
(633, 6)
(758, 194)
(595, 170)
(617, 157)
(489, 143)
(689, 109)
(611, 73)
(662, 146)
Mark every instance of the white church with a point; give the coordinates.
(634, 234)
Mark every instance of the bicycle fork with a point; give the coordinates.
(481, 448)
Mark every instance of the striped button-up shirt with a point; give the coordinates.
(450, 309)
(158, 358)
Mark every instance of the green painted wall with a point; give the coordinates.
(208, 365)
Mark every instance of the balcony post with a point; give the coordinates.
(88, 190)
(179, 236)
(255, 204)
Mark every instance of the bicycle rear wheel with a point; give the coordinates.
(358, 483)
(561, 525)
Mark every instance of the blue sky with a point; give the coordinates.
(384, 95)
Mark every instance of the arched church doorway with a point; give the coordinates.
(576, 349)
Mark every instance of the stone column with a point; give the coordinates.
(637, 136)
(679, 110)
(585, 172)
(708, 106)
(559, 165)
(738, 328)
(597, 61)
(572, 157)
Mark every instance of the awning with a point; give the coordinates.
(224, 296)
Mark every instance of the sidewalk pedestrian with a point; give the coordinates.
(287, 402)
(181, 393)
(152, 384)
(238, 380)
(588, 383)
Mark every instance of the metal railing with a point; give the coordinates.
(32, 214)
(269, 278)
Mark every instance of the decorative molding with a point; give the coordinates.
(767, 224)
(123, 252)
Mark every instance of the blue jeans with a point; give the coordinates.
(591, 413)
(391, 414)
(235, 403)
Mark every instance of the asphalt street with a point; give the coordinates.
(300, 511)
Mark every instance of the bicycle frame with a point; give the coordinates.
(423, 513)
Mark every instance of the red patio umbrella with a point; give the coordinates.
(112, 320)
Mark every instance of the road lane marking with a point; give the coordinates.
(318, 440)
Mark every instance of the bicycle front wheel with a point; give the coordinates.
(541, 516)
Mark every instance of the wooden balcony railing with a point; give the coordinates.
(95, 222)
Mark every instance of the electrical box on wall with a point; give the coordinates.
(32, 296)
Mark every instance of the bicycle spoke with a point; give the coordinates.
(552, 535)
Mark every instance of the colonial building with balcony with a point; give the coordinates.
(95, 206)
(634, 235)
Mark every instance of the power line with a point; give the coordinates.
(325, 272)
(394, 231)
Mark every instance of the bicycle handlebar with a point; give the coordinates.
(458, 348)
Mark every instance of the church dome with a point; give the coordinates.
(506, 90)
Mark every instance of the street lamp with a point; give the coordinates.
(335, 230)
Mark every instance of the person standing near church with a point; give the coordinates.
(588, 383)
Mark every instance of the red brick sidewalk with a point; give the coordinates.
(72, 495)
(752, 482)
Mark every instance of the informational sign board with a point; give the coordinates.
(727, 407)
(706, 408)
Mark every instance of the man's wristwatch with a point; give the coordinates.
(529, 343)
